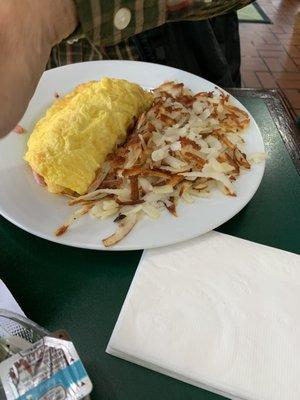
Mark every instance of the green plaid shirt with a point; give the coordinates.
(97, 37)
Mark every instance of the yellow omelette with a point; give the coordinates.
(69, 144)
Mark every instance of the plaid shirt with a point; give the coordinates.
(97, 37)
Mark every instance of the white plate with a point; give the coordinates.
(33, 209)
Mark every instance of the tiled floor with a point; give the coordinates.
(271, 53)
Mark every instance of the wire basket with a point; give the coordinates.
(12, 324)
(22, 330)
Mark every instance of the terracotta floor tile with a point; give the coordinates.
(253, 64)
(269, 46)
(291, 76)
(250, 79)
(292, 41)
(287, 35)
(293, 51)
(297, 60)
(272, 53)
(288, 29)
(290, 65)
(270, 38)
(246, 51)
(246, 27)
(293, 96)
(277, 29)
(288, 84)
(248, 48)
(269, 9)
(266, 79)
(260, 39)
(281, 65)
(274, 64)
(281, 21)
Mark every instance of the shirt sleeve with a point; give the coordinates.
(107, 23)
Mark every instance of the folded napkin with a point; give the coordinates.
(7, 301)
(218, 312)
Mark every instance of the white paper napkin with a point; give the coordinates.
(218, 312)
(7, 301)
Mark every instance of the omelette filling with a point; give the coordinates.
(71, 142)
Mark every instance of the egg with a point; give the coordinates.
(70, 143)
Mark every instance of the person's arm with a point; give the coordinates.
(28, 30)
(99, 19)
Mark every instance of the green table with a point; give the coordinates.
(83, 290)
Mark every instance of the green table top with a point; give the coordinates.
(82, 291)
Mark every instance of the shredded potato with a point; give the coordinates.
(183, 147)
